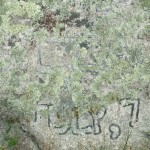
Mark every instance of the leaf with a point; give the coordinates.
(12, 142)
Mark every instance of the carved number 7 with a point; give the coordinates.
(134, 111)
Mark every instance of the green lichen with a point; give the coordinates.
(111, 64)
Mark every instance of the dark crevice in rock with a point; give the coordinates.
(33, 138)
(84, 44)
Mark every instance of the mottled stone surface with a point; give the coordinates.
(109, 127)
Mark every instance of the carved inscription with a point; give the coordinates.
(115, 131)
(90, 122)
